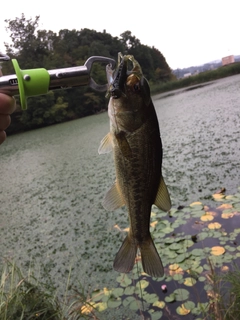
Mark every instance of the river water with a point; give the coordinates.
(53, 182)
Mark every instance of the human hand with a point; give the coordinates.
(7, 106)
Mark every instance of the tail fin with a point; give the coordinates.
(125, 258)
(151, 261)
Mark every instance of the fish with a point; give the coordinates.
(135, 140)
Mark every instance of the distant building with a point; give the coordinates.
(228, 60)
(186, 75)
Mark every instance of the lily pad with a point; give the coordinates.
(101, 306)
(170, 298)
(227, 215)
(207, 217)
(124, 280)
(225, 206)
(159, 304)
(129, 290)
(196, 203)
(217, 251)
(182, 310)
(134, 305)
(218, 197)
(155, 315)
(189, 282)
(128, 300)
(114, 303)
(214, 225)
(181, 294)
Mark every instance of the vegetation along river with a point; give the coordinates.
(53, 182)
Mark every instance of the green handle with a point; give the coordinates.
(32, 82)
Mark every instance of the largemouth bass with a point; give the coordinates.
(135, 140)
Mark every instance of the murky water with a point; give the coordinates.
(53, 182)
(200, 131)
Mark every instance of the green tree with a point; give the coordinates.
(35, 48)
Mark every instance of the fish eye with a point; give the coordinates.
(136, 87)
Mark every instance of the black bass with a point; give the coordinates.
(135, 140)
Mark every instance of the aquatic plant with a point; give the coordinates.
(201, 275)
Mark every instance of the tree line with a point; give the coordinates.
(35, 48)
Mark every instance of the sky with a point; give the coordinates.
(187, 32)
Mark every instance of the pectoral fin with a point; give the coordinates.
(162, 200)
(113, 198)
(106, 144)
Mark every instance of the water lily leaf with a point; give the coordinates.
(218, 196)
(214, 225)
(181, 257)
(173, 267)
(159, 304)
(202, 279)
(156, 315)
(129, 290)
(142, 284)
(207, 217)
(124, 280)
(134, 305)
(181, 294)
(227, 215)
(153, 214)
(117, 292)
(175, 246)
(231, 249)
(187, 243)
(189, 305)
(197, 252)
(182, 310)
(177, 277)
(225, 206)
(114, 303)
(189, 282)
(167, 229)
(128, 300)
(170, 298)
(150, 297)
(101, 306)
(225, 268)
(217, 250)
(197, 203)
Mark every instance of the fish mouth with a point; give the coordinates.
(118, 78)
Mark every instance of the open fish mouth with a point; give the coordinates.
(118, 78)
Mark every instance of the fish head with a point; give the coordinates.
(129, 93)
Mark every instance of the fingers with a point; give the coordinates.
(2, 136)
(7, 104)
(5, 121)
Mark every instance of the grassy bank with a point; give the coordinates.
(202, 77)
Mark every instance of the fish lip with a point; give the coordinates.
(117, 87)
